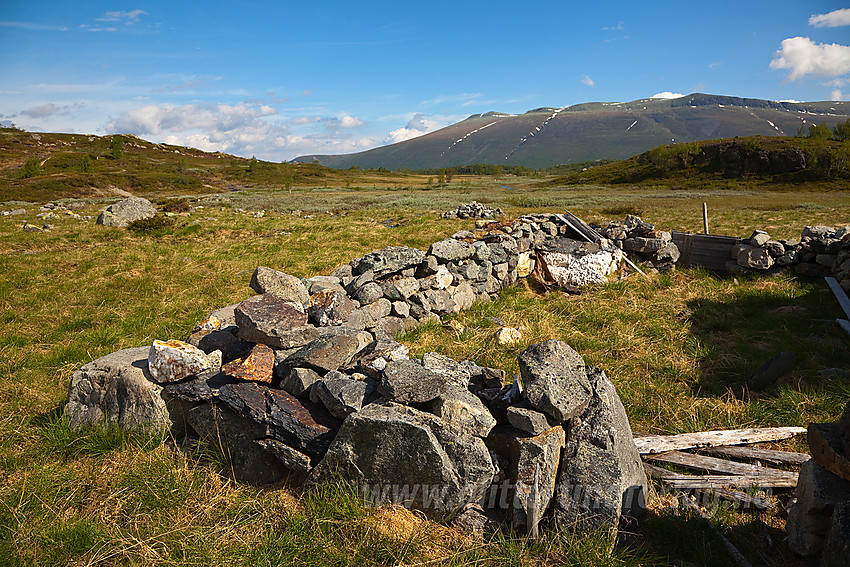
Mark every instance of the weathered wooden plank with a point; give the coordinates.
(714, 481)
(652, 444)
(840, 295)
(768, 455)
(739, 498)
(844, 324)
(721, 466)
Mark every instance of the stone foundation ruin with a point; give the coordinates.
(304, 381)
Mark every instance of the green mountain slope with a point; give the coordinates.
(603, 130)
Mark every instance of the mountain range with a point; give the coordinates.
(545, 137)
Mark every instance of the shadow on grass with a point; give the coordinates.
(760, 318)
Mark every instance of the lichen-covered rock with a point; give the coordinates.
(817, 494)
(569, 262)
(554, 379)
(329, 307)
(169, 361)
(116, 391)
(602, 475)
(288, 288)
(340, 394)
(124, 212)
(451, 250)
(258, 366)
(402, 455)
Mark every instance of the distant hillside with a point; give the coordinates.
(546, 137)
(762, 159)
(44, 166)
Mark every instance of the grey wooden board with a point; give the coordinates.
(652, 444)
(709, 251)
(768, 455)
(844, 324)
(735, 496)
(722, 466)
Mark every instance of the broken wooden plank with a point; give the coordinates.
(737, 497)
(839, 294)
(721, 466)
(768, 455)
(653, 444)
(591, 235)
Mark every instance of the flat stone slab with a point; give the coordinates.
(258, 366)
(389, 260)
(459, 407)
(300, 424)
(324, 354)
(272, 321)
(340, 394)
(554, 379)
(528, 420)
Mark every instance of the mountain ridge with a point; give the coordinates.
(548, 136)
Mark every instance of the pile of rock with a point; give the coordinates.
(473, 210)
(821, 251)
(642, 242)
(818, 524)
(444, 437)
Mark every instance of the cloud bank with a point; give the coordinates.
(833, 19)
(802, 57)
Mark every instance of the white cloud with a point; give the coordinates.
(418, 125)
(155, 119)
(836, 95)
(587, 81)
(128, 17)
(667, 94)
(618, 27)
(801, 56)
(346, 121)
(833, 19)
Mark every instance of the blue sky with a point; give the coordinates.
(282, 79)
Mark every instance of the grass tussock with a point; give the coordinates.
(677, 347)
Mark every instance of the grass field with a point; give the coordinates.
(677, 348)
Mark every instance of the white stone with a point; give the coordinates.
(443, 278)
(508, 336)
(169, 361)
(578, 270)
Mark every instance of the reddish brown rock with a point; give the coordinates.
(258, 366)
(329, 307)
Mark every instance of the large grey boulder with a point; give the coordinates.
(117, 391)
(340, 394)
(399, 454)
(123, 212)
(288, 288)
(451, 250)
(554, 379)
(602, 476)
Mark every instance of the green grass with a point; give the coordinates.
(678, 349)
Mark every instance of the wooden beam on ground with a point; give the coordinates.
(767, 455)
(737, 497)
(840, 295)
(724, 467)
(653, 444)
